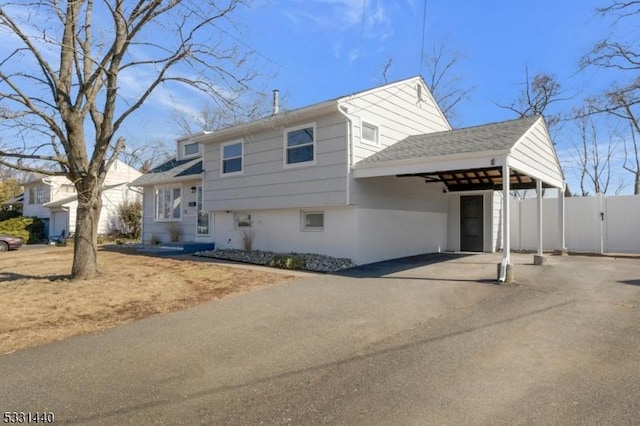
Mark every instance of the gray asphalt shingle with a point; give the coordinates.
(170, 170)
(488, 137)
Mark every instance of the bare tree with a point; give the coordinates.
(592, 157)
(447, 87)
(536, 96)
(61, 86)
(621, 56)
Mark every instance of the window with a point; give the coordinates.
(203, 215)
(243, 220)
(312, 221)
(67, 188)
(39, 194)
(300, 145)
(369, 133)
(191, 149)
(168, 204)
(231, 155)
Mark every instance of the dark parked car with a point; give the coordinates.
(7, 242)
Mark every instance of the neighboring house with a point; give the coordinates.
(369, 176)
(54, 200)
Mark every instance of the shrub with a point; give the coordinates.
(30, 229)
(154, 240)
(127, 221)
(174, 232)
(287, 261)
(9, 214)
(247, 240)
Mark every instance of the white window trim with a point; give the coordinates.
(303, 226)
(222, 145)
(285, 147)
(184, 149)
(367, 141)
(236, 215)
(200, 190)
(155, 203)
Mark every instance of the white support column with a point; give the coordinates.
(539, 191)
(539, 258)
(562, 248)
(505, 272)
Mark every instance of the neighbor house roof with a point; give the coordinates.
(489, 137)
(172, 170)
(18, 199)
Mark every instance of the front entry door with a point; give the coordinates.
(471, 221)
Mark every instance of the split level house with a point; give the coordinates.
(374, 175)
(54, 199)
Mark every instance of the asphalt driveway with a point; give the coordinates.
(428, 340)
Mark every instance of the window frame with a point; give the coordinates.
(222, 159)
(364, 123)
(286, 147)
(303, 221)
(156, 204)
(184, 150)
(236, 220)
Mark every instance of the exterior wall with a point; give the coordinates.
(398, 217)
(120, 173)
(496, 213)
(398, 113)
(265, 183)
(453, 220)
(388, 234)
(111, 200)
(160, 229)
(280, 230)
(535, 156)
(55, 190)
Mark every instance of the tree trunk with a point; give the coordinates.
(85, 250)
(636, 186)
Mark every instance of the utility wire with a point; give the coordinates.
(424, 29)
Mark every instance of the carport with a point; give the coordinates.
(477, 159)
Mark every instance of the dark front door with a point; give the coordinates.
(471, 221)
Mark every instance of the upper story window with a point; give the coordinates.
(299, 144)
(231, 157)
(168, 203)
(370, 133)
(39, 194)
(191, 149)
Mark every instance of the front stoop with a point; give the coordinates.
(176, 249)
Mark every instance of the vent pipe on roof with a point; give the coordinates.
(276, 101)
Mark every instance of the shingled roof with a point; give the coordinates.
(169, 171)
(489, 137)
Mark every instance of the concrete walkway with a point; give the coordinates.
(428, 340)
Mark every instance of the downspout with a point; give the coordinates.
(349, 150)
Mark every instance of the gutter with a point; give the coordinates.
(349, 150)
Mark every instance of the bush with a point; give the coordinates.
(9, 214)
(287, 261)
(30, 229)
(127, 220)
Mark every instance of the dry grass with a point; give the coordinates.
(40, 304)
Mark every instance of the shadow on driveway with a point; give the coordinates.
(380, 269)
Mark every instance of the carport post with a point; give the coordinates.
(561, 207)
(505, 273)
(538, 259)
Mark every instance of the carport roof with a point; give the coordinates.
(472, 158)
(478, 139)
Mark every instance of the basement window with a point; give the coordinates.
(312, 221)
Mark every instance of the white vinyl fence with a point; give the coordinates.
(598, 224)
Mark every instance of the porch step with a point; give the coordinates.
(176, 249)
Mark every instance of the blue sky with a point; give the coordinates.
(314, 50)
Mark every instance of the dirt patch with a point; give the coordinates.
(39, 303)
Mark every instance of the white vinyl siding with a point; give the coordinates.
(264, 183)
(399, 112)
(300, 145)
(231, 157)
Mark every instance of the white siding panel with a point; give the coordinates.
(265, 182)
(535, 156)
(389, 234)
(279, 230)
(398, 113)
(160, 229)
(622, 224)
(395, 193)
